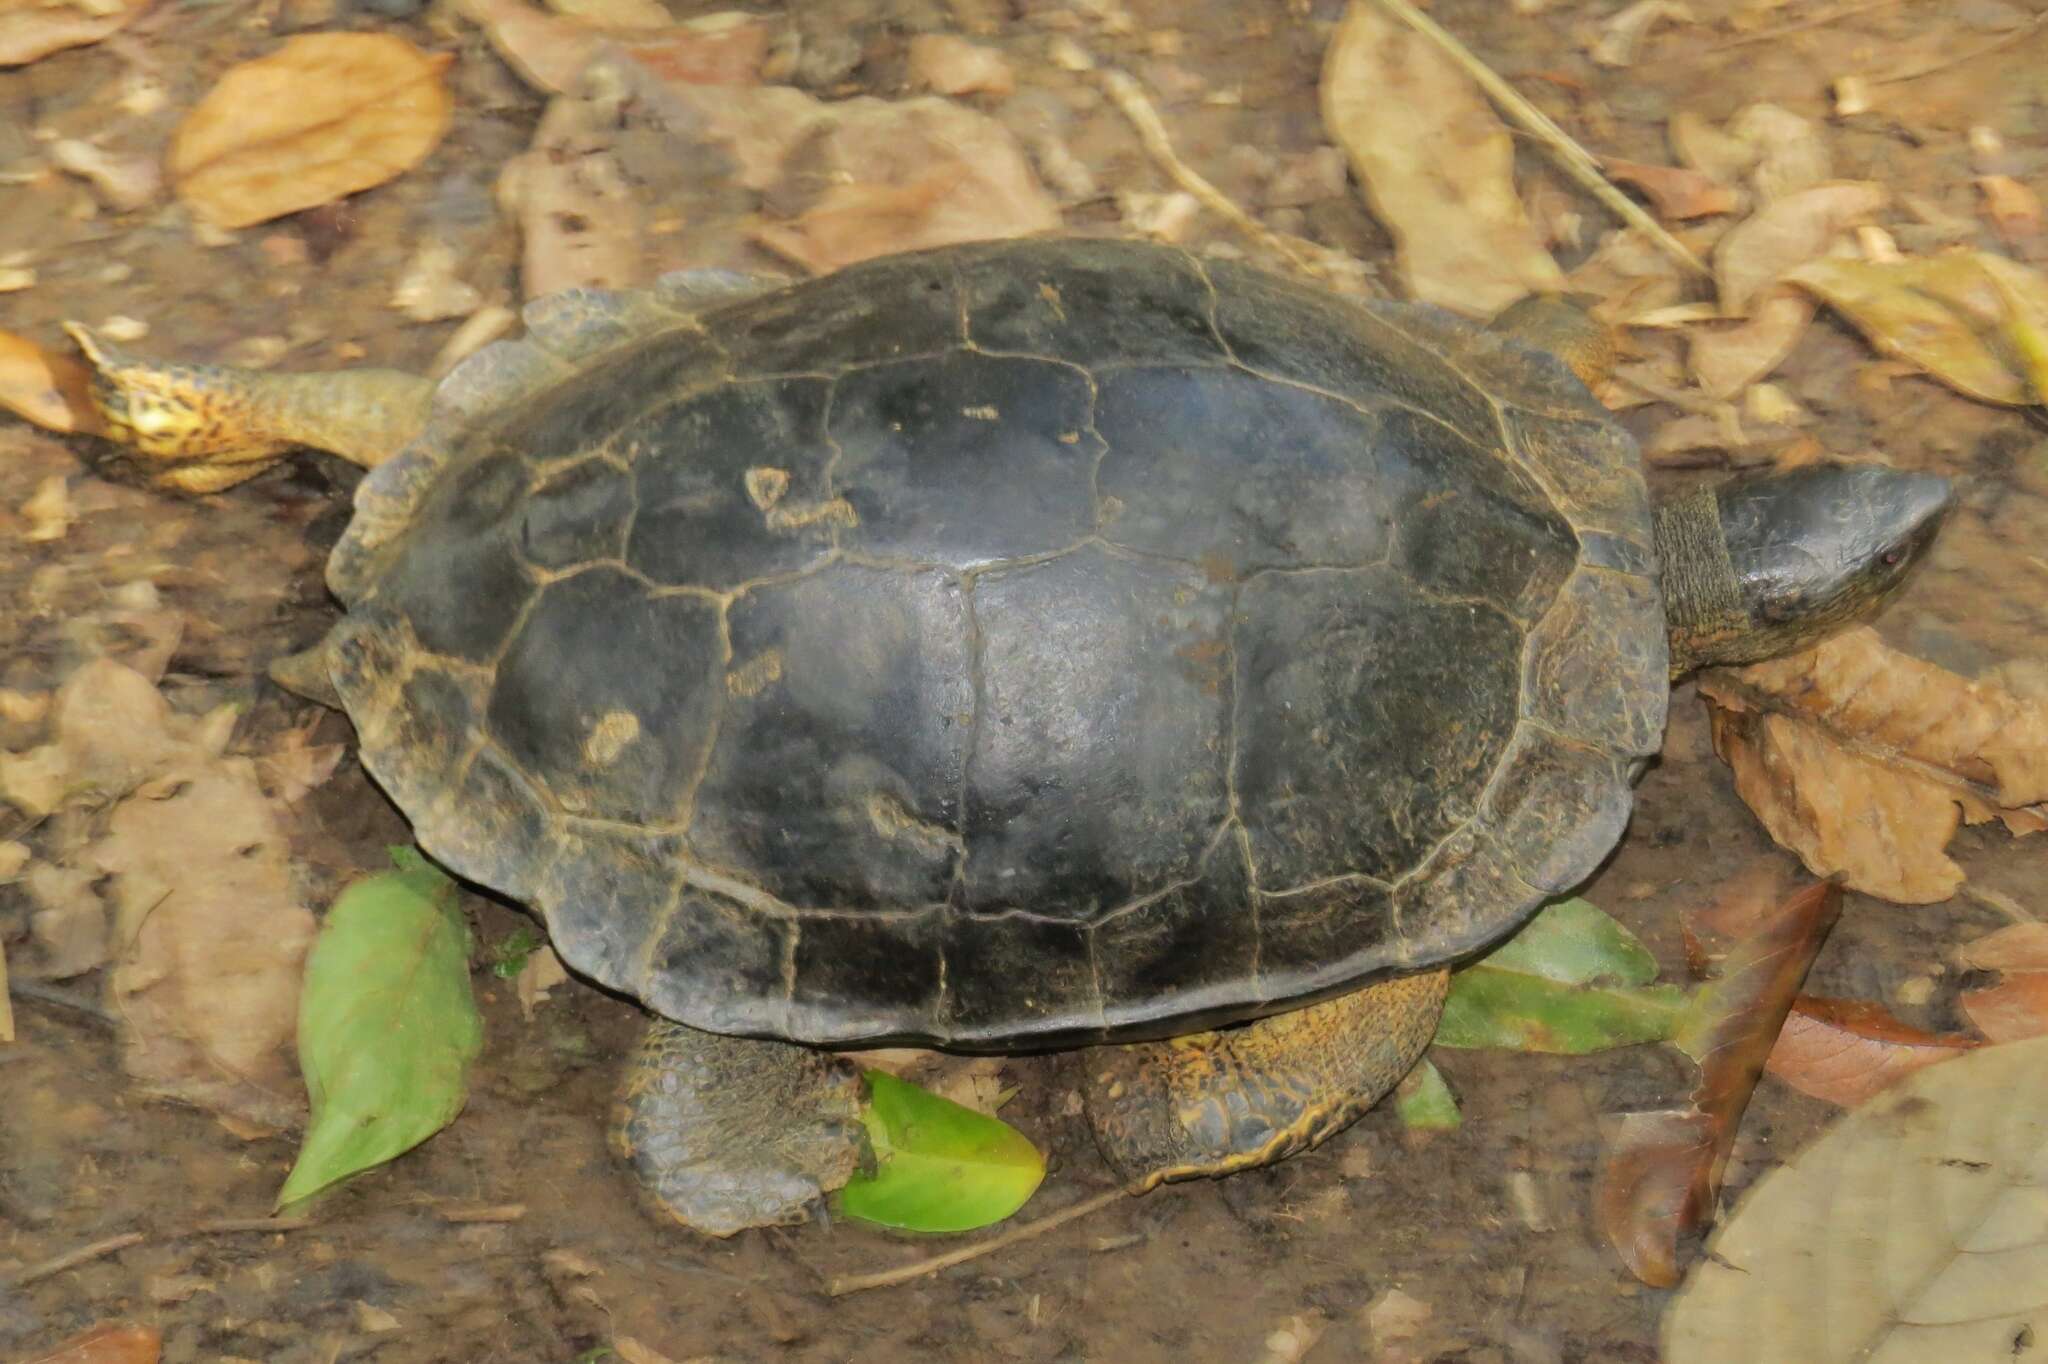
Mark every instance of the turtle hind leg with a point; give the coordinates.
(1214, 1103)
(726, 1133)
(204, 428)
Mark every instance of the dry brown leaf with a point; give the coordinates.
(1676, 192)
(1435, 163)
(326, 115)
(579, 223)
(2012, 1010)
(1785, 234)
(1663, 1169)
(1739, 908)
(113, 731)
(543, 972)
(213, 944)
(67, 924)
(551, 51)
(2012, 206)
(1792, 152)
(1621, 35)
(951, 65)
(108, 1343)
(1727, 360)
(1976, 321)
(297, 765)
(49, 389)
(1846, 1050)
(33, 30)
(1863, 760)
(2016, 947)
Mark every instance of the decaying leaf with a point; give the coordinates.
(207, 981)
(326, 115)
(1864, 760)
(2016, 947)
(1847, 1050)
(1728, 359)
(1910, 1231)
(1664, 1169)
(113, 732)
(552, 51)
(1676, 192)
(67, 925)
(2013, 1009)
(951, 65)
(1406, 115)
(1785, 234)
(33, 29)
(47, 388)
(1976, 321)
(1622, 35)
(111, 1342)
(579, 224)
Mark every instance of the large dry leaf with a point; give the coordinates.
(1864, 760)
(32, 29)
(2016, 947)
(113, 731)
(1847, 1050)
(1914, 1230)
(1976, 321)
(1728, 359)
(207, 985)
(326, 115)
(47, 388)
(579, 224)
(2014, 1008)
(1435, 163)
(1785, 234)
(551, 51)
(107, 1343)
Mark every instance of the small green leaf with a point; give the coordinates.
(938, 1166)
(1424, 1102)
(387, 1024)
(1545, 989)
(509, 954)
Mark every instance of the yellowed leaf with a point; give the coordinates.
(1976, 321)
(1909, 1233)
(1864, 760)
(49, 389)
(326, 115)
(1435, 164)
(33, 30)
(1785, 234)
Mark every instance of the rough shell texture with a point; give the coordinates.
(1008, 644)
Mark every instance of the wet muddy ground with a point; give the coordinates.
(513, 1235)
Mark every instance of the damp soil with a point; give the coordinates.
(514, 1235)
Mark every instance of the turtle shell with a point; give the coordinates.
(1008, 644)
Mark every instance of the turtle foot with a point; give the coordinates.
(728, 1133)
(1218, 1102)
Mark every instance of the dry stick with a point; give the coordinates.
(71, 1259)
(1129, 97)
(1801, 25)
(1577, 162)
(842, 1284)
(58, 997)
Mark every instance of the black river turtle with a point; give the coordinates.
(1018, 645)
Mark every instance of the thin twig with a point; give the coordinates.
(1997, 44)
(1820, 20)
(1577, 162)
(71, 1259)
(58, 997)
(841, 1285)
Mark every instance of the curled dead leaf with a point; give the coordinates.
(326, 115)
(1403, 113)
(1785, 234)
(31, 31)
(1676, 192)
(1863, 760)
(49, 389)
(1847, 1050)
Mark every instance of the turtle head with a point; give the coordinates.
(1774, 563)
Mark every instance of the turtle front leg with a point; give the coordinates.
(203, 428)
(1214, 1103)
(728, 1133)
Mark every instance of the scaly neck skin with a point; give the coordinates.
(1703, 607)
(363, 415)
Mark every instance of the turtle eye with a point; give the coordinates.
(1892, 556)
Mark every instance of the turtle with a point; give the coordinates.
(1010, 646)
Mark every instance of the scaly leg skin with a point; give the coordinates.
(1214, 1103)
(204, 428)
(727, 1133)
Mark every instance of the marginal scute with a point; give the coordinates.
(604, 891)
(1370, 722)
(1466, 895)
(892, 967)
(1192, 470)
(699, 517)
(1194, 941)
(1105, 679)
(490, 826)
(1593, 466)
(576, 325)
(718, 964)
(874, 311)
(1320, 937)
(1091, 303)
(834, 782)
(461, 585)
(964, 459)
(563, 679)
(1018, 974)
(1559, 807)
(1599, 663)
(1518, 375)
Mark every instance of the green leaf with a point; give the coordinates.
(510, 953)
(387, 1024)
(1547, 989)
(1424, 1102)
(938, 1166)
